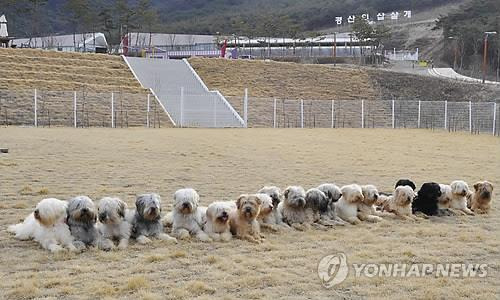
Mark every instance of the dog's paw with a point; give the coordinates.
(143, 240)
(123, 244)
(167, 238)
(78, 245)
(106, 245)
(54, 248)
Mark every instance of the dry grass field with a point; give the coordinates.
(63, 71)
(221, 164)
(284, 80)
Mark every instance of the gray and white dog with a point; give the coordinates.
(113, 225)
(275, 218)
(293, 208)
(327, 208)
(82, 218)
(146, 219)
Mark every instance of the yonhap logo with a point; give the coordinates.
(333, 269)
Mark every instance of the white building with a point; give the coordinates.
(83, 42)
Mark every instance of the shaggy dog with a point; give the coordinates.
(47, 226)
(403, 182)
(266, 217)
(400, 204)
(316, 200)
(82, 218)
(480, 200)
(276, 196)
(347, 206)
(426, 201)
(112, 223)
(366, 209)
(146, 220)
(243, 221)
(217, 226)
(187, 218)
(293, 208)
(445, 199)
(459, 192)
(327, 208)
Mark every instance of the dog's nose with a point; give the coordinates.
(224, 214)
(84, 210)
(248, 209)
(185, 205)
(102, 216)
(376, 196)
(153, 209)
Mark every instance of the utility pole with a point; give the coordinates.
(485, 55)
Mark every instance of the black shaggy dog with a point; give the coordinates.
(408, 182)
(427, 199)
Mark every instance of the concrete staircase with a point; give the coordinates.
(183, 94)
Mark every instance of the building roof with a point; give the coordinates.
(141, 39)
(64, 41)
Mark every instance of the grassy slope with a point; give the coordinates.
(242, 161)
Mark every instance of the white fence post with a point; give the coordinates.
(74, 109)
(274, 114)
(494, 117)
(333, 107)
(301, 113)
(245, 108)
(112, 110)
(393, 125)
(182, 107)
(36, 109)
(362, 113)
(470, 116)
(147, 111)
(419, 109)
(445, 114)
(215, 111)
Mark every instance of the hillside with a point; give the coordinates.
(56, 76)
(321, 82)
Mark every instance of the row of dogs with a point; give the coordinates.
(79, 224)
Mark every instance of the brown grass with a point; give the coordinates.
(221, 164)
(58, 71)
(284, 80)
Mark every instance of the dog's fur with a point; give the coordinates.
(459, 192)
(366, 209)
(113, 224)
(146, 219)
(217, 226)
(403, 182)
(266, 217)
(316, 200)
(82, 218)
(480, 200)
(327, 209)
(292, 208)
(426, 201)
(400, 203)
(47, 226)
(188, 218)
(276, 218)
(243, 221)
(347, 206)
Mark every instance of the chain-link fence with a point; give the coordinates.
(475, 117)
(42, 108)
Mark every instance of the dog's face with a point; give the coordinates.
(445, 196)
(352, 193)
(316, 200)
(295, 196)
(404, 195)
(186, 201)
(50, 211)
(248, 206)
(459, 187)
(266, 206)
(273, 192)
(429, 190)
(484, 189)
(149, 206)
(408, 182)
(111, 210)
(82, 209)
(218, 212)
(370, 194)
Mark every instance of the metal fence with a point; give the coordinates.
(475, 117)
(40, 108)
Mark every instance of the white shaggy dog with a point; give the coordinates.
(400, 203)
(47, 226)
(366, 209)
(217, 226)
(188, 218)
(444, 201)
(275, 218)
(113, 225)
(327, 210)
(459, 192)
(347, 206)
(293, 208)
